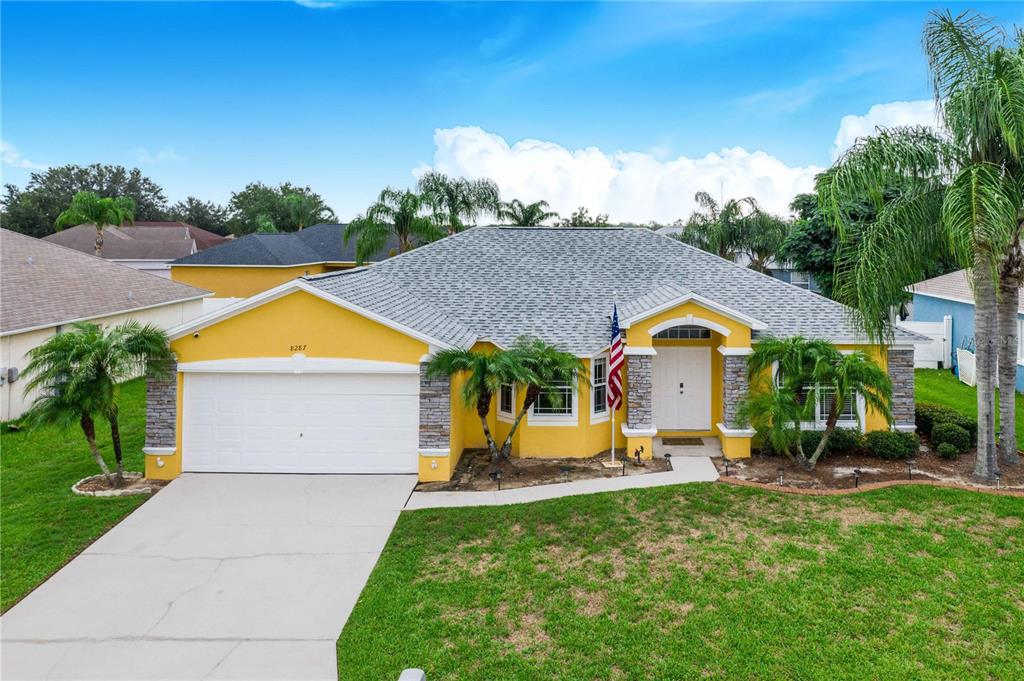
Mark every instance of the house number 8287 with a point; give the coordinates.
(297, 348)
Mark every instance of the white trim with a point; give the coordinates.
(571, 419)
(290, 287)
(65, 322)
(744, 319)
(735, 352)
(301, 264)
(507, 416)
(735, 432)
(639, 432)
(595, 416)
(297, 364)
(630, 351)
(159, 451)
(689, 320)
(940, 297)
(905, 427)
(438, 453)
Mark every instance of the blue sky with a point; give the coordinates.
(205, 97)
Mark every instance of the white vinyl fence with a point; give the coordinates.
(965, 366)
(934, 355)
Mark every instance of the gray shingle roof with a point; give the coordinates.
(954, 286)
(45, 284)
(319, 243)
(130, 242)
(558, 284)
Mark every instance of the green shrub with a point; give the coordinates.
(887, 444)
(927, 415)
(953, 434)
(810, 439)
(845, 440)
(968, 423)
(947, 450)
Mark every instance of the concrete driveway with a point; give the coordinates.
(217, 577)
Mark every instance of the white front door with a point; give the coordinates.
(300, 423)
(681, 382)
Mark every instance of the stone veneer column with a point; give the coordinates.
(639, 401)
(162, 408)
(734, 387)
(901, 372)
(435, 411)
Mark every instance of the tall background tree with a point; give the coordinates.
(581, 217)
(520, 214)
(204, 214)
(458, 202)
(960, 196)
(88, 208)
(397, 213)
(287, 214)
(719, 228)
(34, 209)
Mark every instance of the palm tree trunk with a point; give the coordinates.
(483, 407)
(97, 245)
(830, 427)
(531, 397)
(115, 438)
(1009, 298)
(89, 428)
(985, 465)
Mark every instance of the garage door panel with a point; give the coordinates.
(301, 423)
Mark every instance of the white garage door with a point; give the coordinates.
(300, 423)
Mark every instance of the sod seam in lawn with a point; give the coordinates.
(701, 579)
(42, 522)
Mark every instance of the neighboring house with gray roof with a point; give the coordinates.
(256, 262)
(326, 373)
(148, 246)
(46, 287)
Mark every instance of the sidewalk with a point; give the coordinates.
(684, 469)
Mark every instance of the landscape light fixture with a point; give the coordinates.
(727, 464)
(496, 476)
(781, 472)
(910, 469)
(565, 473)
(856, 478)
(998, 475)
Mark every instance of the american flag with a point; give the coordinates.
(615, 359)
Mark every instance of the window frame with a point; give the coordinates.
(605, 412)
(570, 418)
(859, 406)
(805, 284)
(507, 416)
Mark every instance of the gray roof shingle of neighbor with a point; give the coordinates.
(44, 284)
(318, 243)
(953, 285)
(499, 283)
(142, 242)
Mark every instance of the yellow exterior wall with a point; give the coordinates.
(241, 282)
(872, 419)
(297, 322)
(638, 334)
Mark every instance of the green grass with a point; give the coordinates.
(42, 522)
(942, 387)
(700, 580)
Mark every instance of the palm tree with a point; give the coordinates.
(457, 201)
(959, 196)
(304, 210)
(547, 366)
(88, 207)
(395, 213)
(265, 224)
(808, 373)
(525, 214)
(721, 230)
(79, 373)
(765, 234)
(485, 373)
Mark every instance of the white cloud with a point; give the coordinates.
(143, 155)
(629, 186)
(920, 112)
(12, 157)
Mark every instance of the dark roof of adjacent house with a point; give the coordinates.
(316, 244)
(952, 286)
(45, 284)
(499, 283)
(139, 241)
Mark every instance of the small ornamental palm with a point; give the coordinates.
(87, 207)
(395, 212)
(79, 372)
(485, 373)
(809, 372)
(525, 214)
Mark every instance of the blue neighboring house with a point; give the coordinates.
(950, 294)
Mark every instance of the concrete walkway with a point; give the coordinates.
(684, 469)
(217, 577)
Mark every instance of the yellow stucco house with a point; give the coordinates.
(251, 264)
(325, 373)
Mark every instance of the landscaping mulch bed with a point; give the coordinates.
(134, 483)
(836, 471)
(474, 472)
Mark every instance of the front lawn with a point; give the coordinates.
(941, 387)
(42, 522)
(700, 580)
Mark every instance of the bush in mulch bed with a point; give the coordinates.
(891, 445)
(952, 434)
(928, 415)
(947, 451)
